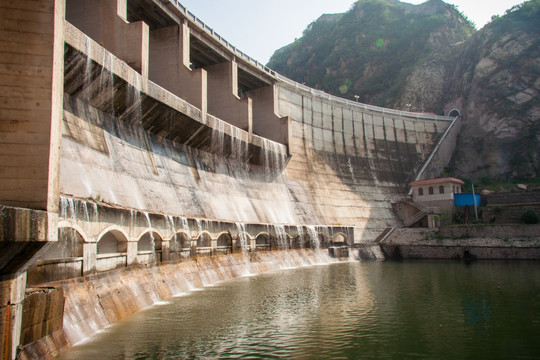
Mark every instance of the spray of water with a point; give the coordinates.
(244, 246)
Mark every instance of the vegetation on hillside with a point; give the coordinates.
(524, 15)
(500, 72)
(429, 57)
(371, 50)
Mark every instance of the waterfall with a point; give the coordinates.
(67, 208)
(152, 238)
(169, 220)
(77, 210)
(281, 237)
(314, 240)
(94, 303)
(185, 225)
(69, 243)
(245, 247)
(239, 145)
(199, 226)
(273, 158)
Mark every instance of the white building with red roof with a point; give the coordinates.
(436, 192)
(431, 200)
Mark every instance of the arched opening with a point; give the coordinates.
(315, 240)
(149, 241)
(111, 251)
(430, 190)
(441, 189)
(420, 191)
(224, 240)
(180, 246)
(149, 248)
(204, 240)
(243, 241)
(112, 242)
(180, 242)
(339, 239)
(59, 260)
(324, 238)
(69, 245)
(224, 243)
(454, 113)
(262, 241)
(204, 244)
(300, 241)
(281, 241)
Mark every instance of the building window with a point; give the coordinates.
(441, 189)
(420, 192)
(430, 190)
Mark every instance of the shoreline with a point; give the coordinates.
(464, 242)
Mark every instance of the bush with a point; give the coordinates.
(530, 217)
(459, 216)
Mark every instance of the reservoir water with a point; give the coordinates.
(353, 310)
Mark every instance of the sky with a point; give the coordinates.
(259, 27)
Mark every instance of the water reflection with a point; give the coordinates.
(375, 310)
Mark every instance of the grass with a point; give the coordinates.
(533, 184)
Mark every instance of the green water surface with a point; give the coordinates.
(357, 310)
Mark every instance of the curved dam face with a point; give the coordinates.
(344, 166)
(294, 156)
(353, 160)
(133, 134)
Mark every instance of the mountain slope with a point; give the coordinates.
(371, 50)
(496, 83)
(429, 58)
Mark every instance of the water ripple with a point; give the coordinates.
(341, 311)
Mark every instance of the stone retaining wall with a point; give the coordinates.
(465, 242)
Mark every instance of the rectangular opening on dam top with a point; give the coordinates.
(97, 77)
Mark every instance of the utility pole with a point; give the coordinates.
(474, 199)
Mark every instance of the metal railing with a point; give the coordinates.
(189, 15)
(198, 22)
(424, 210)
(415, 218)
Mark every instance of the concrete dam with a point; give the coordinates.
(133, 135)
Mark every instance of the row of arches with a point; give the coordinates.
(74, 254)
(71, 242)
(115, 240)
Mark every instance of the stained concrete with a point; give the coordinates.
(90, 113)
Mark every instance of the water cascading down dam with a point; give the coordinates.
(134, 137)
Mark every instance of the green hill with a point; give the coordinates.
(371, 50)
(430, 58)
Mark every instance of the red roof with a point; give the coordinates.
(437, 181)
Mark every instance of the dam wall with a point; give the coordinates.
(138, 109)
(341, 163)
(352, 159)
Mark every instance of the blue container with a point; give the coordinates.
(466, 199)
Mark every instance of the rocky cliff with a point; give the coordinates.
(374, 51)
(429, 58)
(496, 83)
